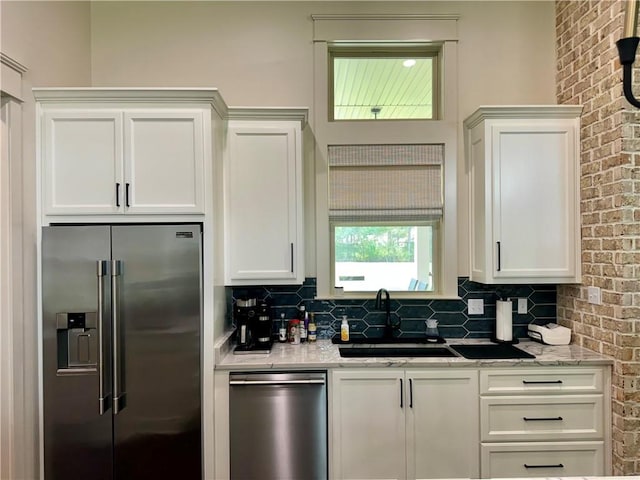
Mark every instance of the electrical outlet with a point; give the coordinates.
(522, 305)
(593, 295)
(476, 306)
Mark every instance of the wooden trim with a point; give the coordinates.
(387, 27)
(383, 16)
(521, 111)
(11, 63)
(14, 405)
(132, 95)
(298, 114)
(11, 84)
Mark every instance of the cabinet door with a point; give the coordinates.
(442, 424)
(263, 202)
(368, 424)
(534, 199)
(164, 161)
(82, 162)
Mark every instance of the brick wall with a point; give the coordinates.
(588, 73)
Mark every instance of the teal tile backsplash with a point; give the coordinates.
(452, 316)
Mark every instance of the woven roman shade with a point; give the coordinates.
(385, 182)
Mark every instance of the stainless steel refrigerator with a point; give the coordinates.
(121, 312)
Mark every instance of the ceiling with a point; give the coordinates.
(363, 84)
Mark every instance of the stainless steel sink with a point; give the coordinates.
(395, 351)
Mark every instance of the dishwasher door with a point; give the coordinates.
(278, 425)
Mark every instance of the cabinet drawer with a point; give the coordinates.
(524, 418)
(549, 459)
(541, 380)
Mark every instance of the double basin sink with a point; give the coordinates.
(421, 347)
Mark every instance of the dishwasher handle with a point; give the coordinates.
(277, 382)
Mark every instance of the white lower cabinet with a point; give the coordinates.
(396, 424)
(544, 422)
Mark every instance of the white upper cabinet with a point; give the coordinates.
(119, 152)
(263, 198)
(82, 161)
(523, 165)
(164, 161)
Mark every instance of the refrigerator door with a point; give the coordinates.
(157, 351)
(77, 438)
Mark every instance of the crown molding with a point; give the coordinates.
(11, 77)
(11, 63)
(487, 112)
(299, 114)
(133, 95)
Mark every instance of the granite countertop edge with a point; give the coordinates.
(324, 355)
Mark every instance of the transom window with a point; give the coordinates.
(382, 84)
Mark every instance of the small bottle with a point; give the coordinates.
(344, 329)
(282, 329)
(303, 323)
(312, 329)
(294, 332)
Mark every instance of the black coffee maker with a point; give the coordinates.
(253, 326)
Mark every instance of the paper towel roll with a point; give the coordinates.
(504, 330)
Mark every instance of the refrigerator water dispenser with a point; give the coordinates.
(77, 340)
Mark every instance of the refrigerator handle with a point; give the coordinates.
(118, 394)
(103, 399)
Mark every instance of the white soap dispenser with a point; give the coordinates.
(344, 329)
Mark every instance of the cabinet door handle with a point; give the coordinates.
(541, 382)
(557, 465)
(401, 395)
(541, 419)
(291, 257)
(498, 253)
(119, 396)
(410, 393)
(117, 194)
(126, 195)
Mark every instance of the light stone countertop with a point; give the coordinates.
(628, 477)
(324, 354)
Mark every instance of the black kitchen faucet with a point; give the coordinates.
(385, 304)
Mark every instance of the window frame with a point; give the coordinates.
(392, 29)
(389, 50)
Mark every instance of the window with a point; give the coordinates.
(383, 84)
(385, 209)
(426, 230)
(401, 257)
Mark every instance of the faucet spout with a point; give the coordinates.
(385, 304)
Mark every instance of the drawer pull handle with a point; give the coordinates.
(557, 465)
(540, 419)
(541, 382)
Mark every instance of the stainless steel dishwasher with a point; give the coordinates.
(278, 425)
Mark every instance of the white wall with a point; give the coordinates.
(261, 54)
